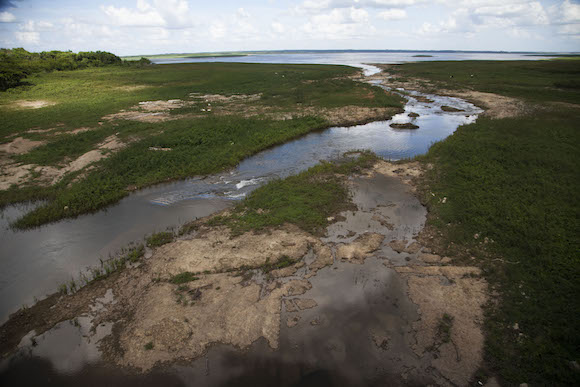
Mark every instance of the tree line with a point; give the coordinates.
(17, 63)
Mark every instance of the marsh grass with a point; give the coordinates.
(159, 239)
(513, 204)
(83, 97)
(280, 263)
(183, 278)
(199, 146)
(307, 199)
(113, 264)
(537, 81)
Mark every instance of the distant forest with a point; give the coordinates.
(17, 63)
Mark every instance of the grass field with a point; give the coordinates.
(513, 183)
(536, 81)
(199, 145)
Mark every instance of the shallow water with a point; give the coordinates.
(356, 59)
(35, 262)
(358, 334)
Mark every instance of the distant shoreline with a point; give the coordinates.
(226, 54)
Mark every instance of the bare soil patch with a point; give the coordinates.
(20, 146)
(452, 291)
(231, 298)
(130, 88)
(495, 105)
(18, 174)
(37, 104)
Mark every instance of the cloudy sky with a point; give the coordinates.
(128, 27)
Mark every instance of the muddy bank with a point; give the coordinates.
(495, 106)
(364, 303)
(18, 174)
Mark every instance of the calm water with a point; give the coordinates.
(357, 59)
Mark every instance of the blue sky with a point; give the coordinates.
(130, 27)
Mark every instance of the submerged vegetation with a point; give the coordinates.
(197, 144)
(513, 207)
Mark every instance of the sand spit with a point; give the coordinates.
(496, 106)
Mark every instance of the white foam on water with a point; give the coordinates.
(245, 183)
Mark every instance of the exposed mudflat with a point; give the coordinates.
(364, 304)
(15, 173)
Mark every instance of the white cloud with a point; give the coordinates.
(242, 13)
(570, 12)
(278, 27)
(6, 17)
(143, 17)
(393, 14)
(340, 23)
(516, 14)
(27, 37)
(160, 13)
(570, 29)
(217, 30)
(320, 5)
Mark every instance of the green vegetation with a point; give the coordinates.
(106, 268)
(282, 262)
(444, 328)
(199, 145)
(16, 64)
(512, 203)
(306, 199)
(183, 278)
(533, 80)
(160, 239)
(66, 145)
(149, 346)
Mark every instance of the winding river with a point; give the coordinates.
(35, 262)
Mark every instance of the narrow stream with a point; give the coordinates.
(35, 262)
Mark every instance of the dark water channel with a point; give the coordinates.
(35, 262)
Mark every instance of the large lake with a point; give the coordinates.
(357, 58)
